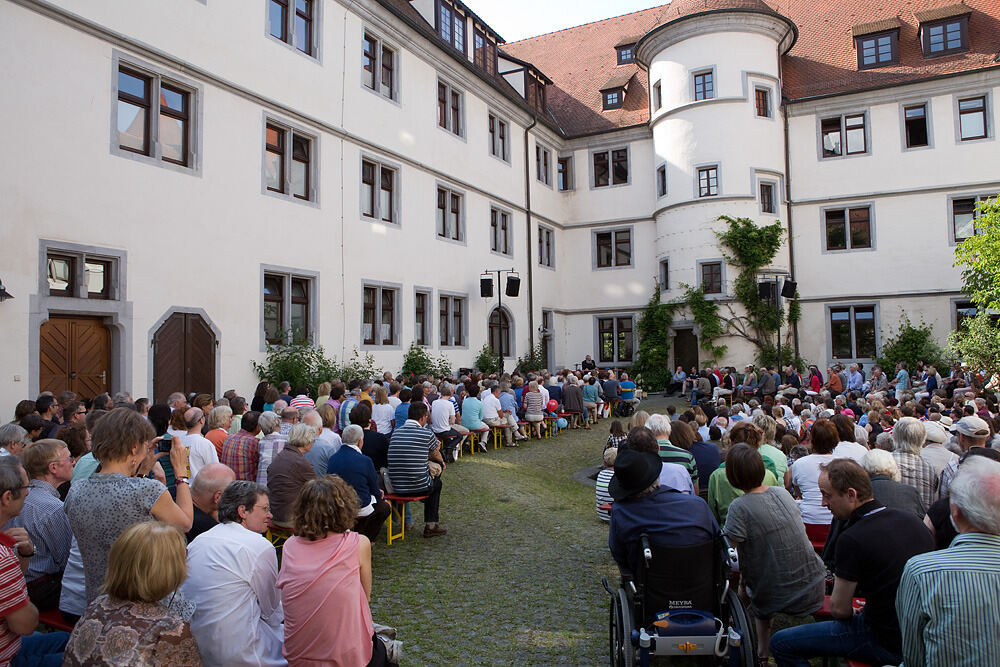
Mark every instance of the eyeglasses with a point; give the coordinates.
(266, 508)
(80, 412)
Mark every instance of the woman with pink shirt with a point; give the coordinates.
(326, 580)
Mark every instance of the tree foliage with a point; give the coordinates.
(910, 343)
(306, 364)
(652, 362)
(979, 257)
(977, 342)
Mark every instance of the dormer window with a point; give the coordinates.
(534, 93)
(614, 98)
(451, 23)
(878, 50)
(613, 92)
(626, 54)
(944, 30)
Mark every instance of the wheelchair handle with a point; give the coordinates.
(647, 552)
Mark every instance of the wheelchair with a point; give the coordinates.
(679, 603)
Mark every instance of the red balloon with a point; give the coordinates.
(553, 405)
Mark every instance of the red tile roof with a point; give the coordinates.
(822, 62)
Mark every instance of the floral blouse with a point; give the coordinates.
(133, 634)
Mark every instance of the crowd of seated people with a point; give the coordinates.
(142, 525)
(875, 497)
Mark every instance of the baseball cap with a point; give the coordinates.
(972, 426)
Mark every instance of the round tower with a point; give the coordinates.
(718, 135)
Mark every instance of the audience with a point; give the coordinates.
(206, 489)
(357, 470)
(410, 449)
(128, 620)
(289, 471)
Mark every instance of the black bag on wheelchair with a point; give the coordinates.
(624, 409)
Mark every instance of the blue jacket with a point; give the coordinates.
(357, 470)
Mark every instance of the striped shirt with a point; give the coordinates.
(13, 596)
(44, 517)
(603, 480)
(241, 452)
(672, 454)
(947, 604)
(915, 472)
(408, 450)
(301, 401)
(270, 445)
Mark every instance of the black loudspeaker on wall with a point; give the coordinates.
(788, 289)
(764, 290)
(486, 287)
(513, 285)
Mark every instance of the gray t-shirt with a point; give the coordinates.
(101, 508)
(781, 569)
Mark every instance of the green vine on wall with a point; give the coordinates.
(653, 360)
(706, 315)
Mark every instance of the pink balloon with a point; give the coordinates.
(553, 405)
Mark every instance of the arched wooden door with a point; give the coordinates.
(74, 354)
(183, 356)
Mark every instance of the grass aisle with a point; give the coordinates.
(517, 579)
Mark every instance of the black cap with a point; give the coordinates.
(634, 472)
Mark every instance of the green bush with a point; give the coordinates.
(300, 364)
(486, 361)
(417, 361)
(533, 361)
(977, 342)
(910, 343)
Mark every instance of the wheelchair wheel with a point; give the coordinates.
(620, 631)
(744, 623)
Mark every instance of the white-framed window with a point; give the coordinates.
(613, 248)
(844, 135)
(501, 234)
(546, 246)
(661, 181)
(452, 324)
(708, 181)
(379, 191)
(543, 164)
(422, 317)
(289, 161)
(451, 23)
(451, 109)
(288, 303)
(657, 96)
(712, 277)
(292, 22)
(155, 116)
(768, 192)
(379, 66)
(499, 137)
(450, 214)
(964, 210)
(972, 118)
(916, 125)
(664, 274)
(564, 173)
(853, 331)
(82, 275)
(610, 167)
(848, 228)
(615, 338)
(703, 83)
(380, 314)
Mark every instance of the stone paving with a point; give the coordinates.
(517, 579)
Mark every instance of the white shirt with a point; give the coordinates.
(394, 402)
(238, 616)
(201, 452)
(382, 415)
(331, 438)
(442, 410)
(545, 395)
(491, 406)
(805, 475)
(847, 449)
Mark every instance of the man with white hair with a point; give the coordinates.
(947, 599)
(884, 475)
(934, 451)
(908, 436)
(321, 451)
(201, 451)
(971, 432)
(660, 427)
(358, 470)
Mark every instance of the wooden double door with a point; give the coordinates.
(74, 354)
(183, 356)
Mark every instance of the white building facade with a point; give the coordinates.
(194, 179)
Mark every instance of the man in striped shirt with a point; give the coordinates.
(18, 616)
(410, 448)
(947, 600)
(660, 426)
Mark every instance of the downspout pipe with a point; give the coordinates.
(528, 236)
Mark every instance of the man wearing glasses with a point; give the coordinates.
(74, 412)
(48, 464)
